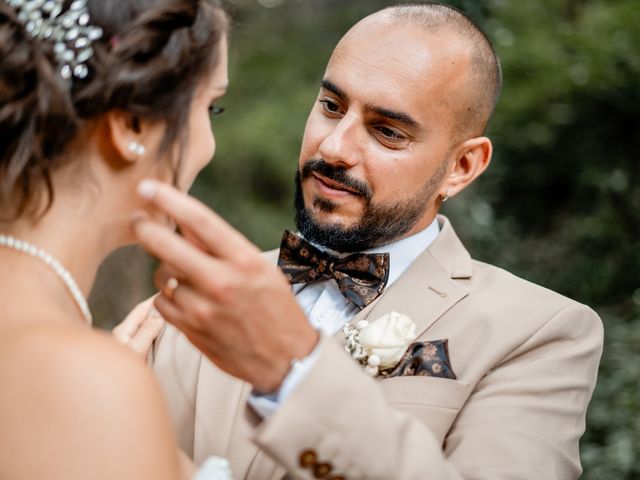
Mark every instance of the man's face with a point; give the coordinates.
(377, 142)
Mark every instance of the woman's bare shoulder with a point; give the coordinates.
(74, 395)
(66, 352)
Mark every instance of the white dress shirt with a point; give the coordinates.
(328, 310)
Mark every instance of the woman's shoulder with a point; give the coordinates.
(66, 351)
(61, 361)
(63, 385)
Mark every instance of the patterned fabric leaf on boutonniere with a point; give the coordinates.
(429, 359)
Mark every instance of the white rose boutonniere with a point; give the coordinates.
(380, 345)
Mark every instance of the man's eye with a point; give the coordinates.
(215, 109)
(329, 106)
(390, 133)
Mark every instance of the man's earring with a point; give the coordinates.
(444, 197)
(137, 148)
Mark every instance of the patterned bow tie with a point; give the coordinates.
(361, 277)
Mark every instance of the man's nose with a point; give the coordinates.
(343, 145)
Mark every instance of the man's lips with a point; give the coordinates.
(331, 187)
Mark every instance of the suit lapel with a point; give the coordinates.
(429, 287)
(218, 415)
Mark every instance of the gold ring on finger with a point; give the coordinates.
(170, 288)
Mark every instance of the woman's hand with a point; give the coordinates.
(140, 328)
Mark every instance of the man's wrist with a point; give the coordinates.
(267, 404)
(300, 350)
(303, 348)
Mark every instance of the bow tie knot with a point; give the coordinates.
(325, 267)
(361, 277)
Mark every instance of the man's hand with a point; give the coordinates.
(231, 303)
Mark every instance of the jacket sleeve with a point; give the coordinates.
(523, 419)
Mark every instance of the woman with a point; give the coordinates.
(94, 96)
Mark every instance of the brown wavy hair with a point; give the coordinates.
(149, 62)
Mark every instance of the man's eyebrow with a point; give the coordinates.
(400, 117)
(333, 88)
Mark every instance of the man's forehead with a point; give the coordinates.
(380, 55)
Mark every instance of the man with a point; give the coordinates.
(496, 381)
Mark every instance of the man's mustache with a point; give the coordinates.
(337, 174)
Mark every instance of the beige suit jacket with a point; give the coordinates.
(526, 361)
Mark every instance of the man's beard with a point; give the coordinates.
(379, 224)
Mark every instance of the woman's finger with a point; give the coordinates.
(206, 226)
(125, 331)
(143, 339)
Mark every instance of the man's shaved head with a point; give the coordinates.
(397, 128)
(479, 96)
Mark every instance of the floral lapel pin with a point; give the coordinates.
(379, 345)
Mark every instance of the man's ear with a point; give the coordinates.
(472, 158)
(127, 134)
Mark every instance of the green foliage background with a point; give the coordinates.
(560, 204)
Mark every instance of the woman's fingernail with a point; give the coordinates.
(147, 189)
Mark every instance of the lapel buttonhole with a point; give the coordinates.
(437, 292)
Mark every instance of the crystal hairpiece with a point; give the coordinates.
(70, 31)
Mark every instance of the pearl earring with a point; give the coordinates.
(137, 148)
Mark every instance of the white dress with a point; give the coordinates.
(214, 468)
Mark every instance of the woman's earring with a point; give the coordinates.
(444, 197)
(137, 148)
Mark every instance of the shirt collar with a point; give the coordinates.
(402, 252)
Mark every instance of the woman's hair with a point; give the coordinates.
(152, 56)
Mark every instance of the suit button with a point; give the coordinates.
(308, 459)
(321, 470)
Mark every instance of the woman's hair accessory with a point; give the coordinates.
(70, 32)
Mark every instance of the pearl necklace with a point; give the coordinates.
(64, 275)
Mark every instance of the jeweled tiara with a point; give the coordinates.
(70, 31)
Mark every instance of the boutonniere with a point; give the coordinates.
(380, 345)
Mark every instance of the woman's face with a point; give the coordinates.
(201, 144)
